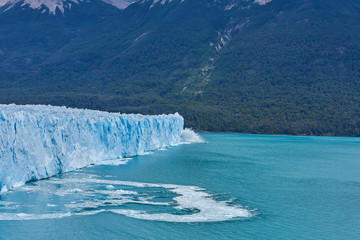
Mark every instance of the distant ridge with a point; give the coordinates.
(51, 6)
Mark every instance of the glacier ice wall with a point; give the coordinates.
(40, 141)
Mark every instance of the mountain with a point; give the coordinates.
(274, 67)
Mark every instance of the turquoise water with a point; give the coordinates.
(232, 187)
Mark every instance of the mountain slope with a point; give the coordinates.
(284, 67)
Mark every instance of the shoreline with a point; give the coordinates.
(275, 134)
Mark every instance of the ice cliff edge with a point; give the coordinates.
(39, 141)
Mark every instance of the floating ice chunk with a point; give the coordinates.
(4, 189)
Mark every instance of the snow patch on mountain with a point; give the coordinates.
(161, 1)
(262, 2)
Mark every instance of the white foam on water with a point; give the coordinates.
(145, 153)
(4, 205)
(87, 213)
(51, 205)
(88, 204)
(190, 197)
(76, 190)
(115, 162)
(182, 203)
(26, 216)
(116, 193)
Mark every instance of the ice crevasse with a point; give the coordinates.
(38, 141)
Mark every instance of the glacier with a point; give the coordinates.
(38, 141)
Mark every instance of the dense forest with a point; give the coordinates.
(287, 67)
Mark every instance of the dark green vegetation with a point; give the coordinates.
(288, 67)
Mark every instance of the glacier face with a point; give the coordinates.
(39, 141)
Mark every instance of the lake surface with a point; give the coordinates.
(231, 187)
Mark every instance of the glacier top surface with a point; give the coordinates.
(55, 111)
